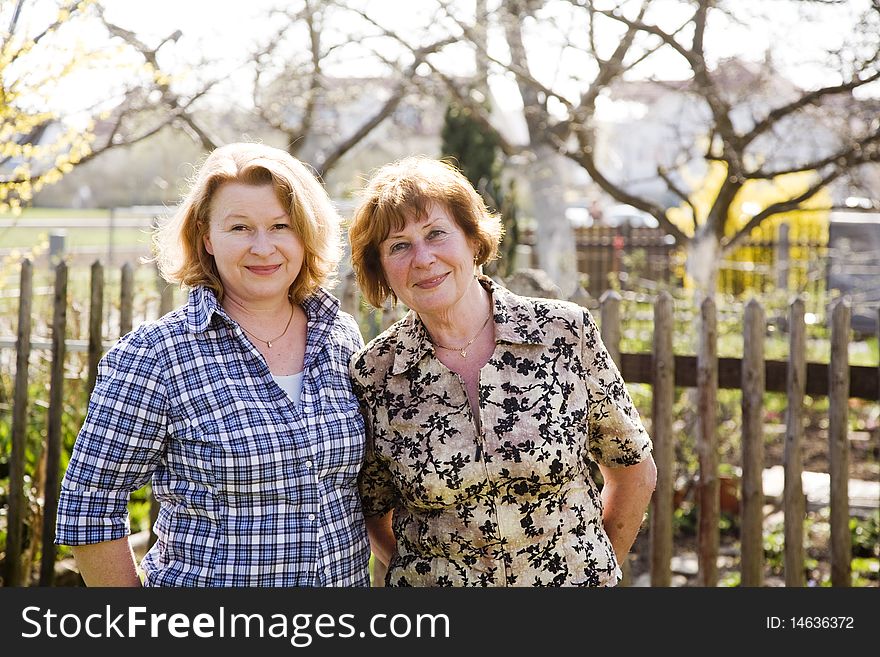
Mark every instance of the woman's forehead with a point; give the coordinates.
(434, 212)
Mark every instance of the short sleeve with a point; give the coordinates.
(377, 490)
(378, 494)
(617, 436)
(118, 447)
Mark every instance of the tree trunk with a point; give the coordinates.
(554, 238)
(703, 262)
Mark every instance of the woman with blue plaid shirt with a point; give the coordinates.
(237, 407)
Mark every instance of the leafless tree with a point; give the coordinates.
(45, 148)
(309, 91)
(323, 113)
(718, 106)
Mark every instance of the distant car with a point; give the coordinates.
(579, 217)
(626, 215)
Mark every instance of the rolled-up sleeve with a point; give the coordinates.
(118, 447)
(378, 495)
(617, 436)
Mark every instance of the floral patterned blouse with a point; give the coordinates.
(513, 504)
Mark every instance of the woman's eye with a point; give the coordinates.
(238, 227)
(397, 247)
(281, 226)
(436, 233)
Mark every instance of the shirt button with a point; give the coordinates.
(309, 464)
(307, 409)
(311, 516)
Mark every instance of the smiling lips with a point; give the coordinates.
(263, 270)
(431, 283)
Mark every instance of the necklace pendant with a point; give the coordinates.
(269, 344)
(463, 353)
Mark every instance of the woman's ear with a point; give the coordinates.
(206, 240)
(475, 247)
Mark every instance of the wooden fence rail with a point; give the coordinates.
(660, 368)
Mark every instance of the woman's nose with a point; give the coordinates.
(262, 243)
(423, 255)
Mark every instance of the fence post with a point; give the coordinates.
(609, 330)
(609, 312)
(782, 258)
(166, 298)
(126, 299)
(57, 246)
(793, 492)
(53, 439)
(96, 320)
(661, 427)
(838, 406)
(708, 536)
(15, 518)
(753, 384)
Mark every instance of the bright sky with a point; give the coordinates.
(217, 33)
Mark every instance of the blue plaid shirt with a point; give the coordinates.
(254, 491)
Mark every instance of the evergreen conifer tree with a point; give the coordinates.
(475, 151)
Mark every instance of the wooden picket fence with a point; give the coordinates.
(661, 368)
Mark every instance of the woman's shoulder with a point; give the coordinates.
(545, 310)
(377, 356)
(158, 331)
(558, 307)
(347, 331)
(155, 336)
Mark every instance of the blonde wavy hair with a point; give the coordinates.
(404, 190)
(178, 241)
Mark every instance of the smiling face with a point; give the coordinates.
(257, 253)
(429, 262)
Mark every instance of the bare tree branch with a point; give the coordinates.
(861, 152)
(178, 106)
(778, 208)
(811, 98)
(584, 157)
(680, 193)
(387, 108)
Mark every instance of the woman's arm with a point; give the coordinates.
(382, 540)
(110, 563)
(625, 498)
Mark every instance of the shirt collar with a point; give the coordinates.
(321, 309)
(200, 308)
(515, 323)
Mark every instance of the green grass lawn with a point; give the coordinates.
(57, 213)
(28, 237)
(22, 235)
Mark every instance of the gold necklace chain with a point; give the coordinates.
(463, 350)
(268, 343)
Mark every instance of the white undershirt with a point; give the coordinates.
(292, 385)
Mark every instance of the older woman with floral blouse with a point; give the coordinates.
(484, 409)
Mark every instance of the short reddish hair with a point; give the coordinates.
(407, 188)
